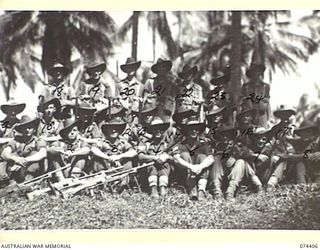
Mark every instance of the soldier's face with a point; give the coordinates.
(148, 118)
(58, 75)
(49, 111)
(158, 133)
(262, 141)
(247, 119)
(73, 133)
(194, 133)
(114, 133)
(217, 118)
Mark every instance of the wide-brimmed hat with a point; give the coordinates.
(307, 131)
(115, 123)
(161, 66)
(261, 132)
(221, 79)
(85, 108)
(58, 67)
(181, 113)
(193, 122)
(69, 124)
(148, 108)
(215, 110)
(239, 116)
(188, 71)
(256, 67)
(12, 107)
(97, 67)
(131, 65)
(27, 122)
(47, 101)
(284, 112)
(92, 81)
(157, 124)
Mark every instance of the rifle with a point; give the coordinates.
(72, 186)
(25, 186)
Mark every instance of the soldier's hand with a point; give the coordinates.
(21, 161)
(196, 169)
(114, 158)
(283, 156)
(263, 157)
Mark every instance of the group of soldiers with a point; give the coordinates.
(193, 136)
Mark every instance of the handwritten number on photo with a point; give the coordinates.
(127, 91)
(114, 148)
(95, 89)
(192, 152)
(186, 93)
(58, 89)
(255, 98)
(5, 124)
(305, 154)
(158, 91)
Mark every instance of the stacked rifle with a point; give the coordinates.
(68, 187)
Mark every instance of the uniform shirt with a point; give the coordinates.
(62, 92)
(26, 149)
(130, 93)
(50, 129)
(71, 146)
(95, 91)
(198, 148)
(153, 148)
(6, 130)
(189, 95)
(118, 147)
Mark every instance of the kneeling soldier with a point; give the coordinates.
(25, 154)
(155, 150)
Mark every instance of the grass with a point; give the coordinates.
(289, 207)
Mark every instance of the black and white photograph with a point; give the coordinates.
(160, 119)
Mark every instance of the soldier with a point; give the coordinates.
(161, 89)
(71, 149)
(130, 89)
(49, 126)
(189, 94)
(113, 151)
(195, 156)
(59, 88)
(11, 109)
(256, 94)
(94, 88)
(26, 153)
(155, 151)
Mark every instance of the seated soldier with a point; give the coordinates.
(49, 126)
(113, 151)
(195, 156)
(26, 153)
(71, 149)
(154, 150)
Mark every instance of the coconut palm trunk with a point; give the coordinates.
(234, 87)
(134, 42)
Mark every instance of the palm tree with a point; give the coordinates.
(57, 33)
(158, 21)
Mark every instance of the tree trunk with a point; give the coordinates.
(134, 42)
(235, 81)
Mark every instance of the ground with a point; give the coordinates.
(289, 207)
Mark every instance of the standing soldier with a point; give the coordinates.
(161, 89)
(256, 94)
(129, 90)
(195, 156)
(94, 88)
(155, 151)
(26, 153)
(59, 87)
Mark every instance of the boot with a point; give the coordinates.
(193, 193)
(270, 188)
(163, 190)
(230, 197)
(259, 189)
(154, 192)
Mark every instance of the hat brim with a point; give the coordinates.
(177, 117)
(190, 72)
(220, 80)
(149, 110)
(108, 127)
(229, 133)
(216, 112)
(22, 126)
(156, 127)
(284, 114)
(64, 71)
(65, 131)
(164, 66)
(188, 127)
(91, 81)
(54, 101)
(99, 68)
(17, 108)
(130, 67)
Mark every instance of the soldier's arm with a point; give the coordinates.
(208, 161)
(129, 154)
(181, 162)
(40, 155)
(81, 151)
(97, 152)
(143, 157)
(7, 154)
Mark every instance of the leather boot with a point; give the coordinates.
(154, 192)
(163, 190)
